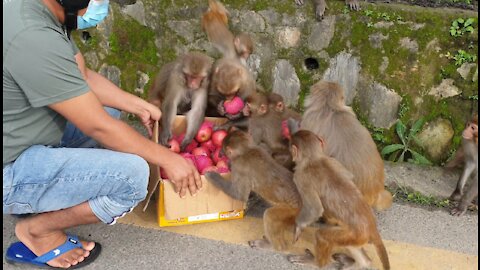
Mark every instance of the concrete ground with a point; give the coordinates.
(415, 237)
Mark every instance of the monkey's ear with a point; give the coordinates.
(321, 141)
(294, 150)
(280, 106)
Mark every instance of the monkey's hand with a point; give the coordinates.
(354, 5)
(298, 231)
(186, 141)
(221, 108)
(234, 116)
(165, 136)
(458, 211)
(299, 2)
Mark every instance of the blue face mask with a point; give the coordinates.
(97, 10)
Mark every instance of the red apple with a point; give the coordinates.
(285, 130)
(218, 136)
(189, 157)
(207, 124)
(204, 133)
(209, 169)
(222, 163)
(223, 170)
(233, 106)
(202, 162)
(209, 144)
(174, 145)
(191, 146)
(201, 151)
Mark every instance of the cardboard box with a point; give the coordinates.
(210, 204)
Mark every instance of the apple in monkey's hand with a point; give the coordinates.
(285, 130)
(233, 106)
(174, 145)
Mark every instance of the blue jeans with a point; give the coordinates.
(46, 178)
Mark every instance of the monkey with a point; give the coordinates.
(327, 190)
(349, 142)
(469, 154)
(215, 23)
(243, 46)
(181, 87)
(252, 169)
(277, 104)
(265, 126)
(321, 5)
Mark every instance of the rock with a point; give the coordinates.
(252, 22)
(286, 82)
(254, 64)
(136, 11)
(112, 73)
(183, 29)
(104, 29)
(435, 137)
(321, 34)
(444, 90)
(383, 24)
(379, 104)
(475, 75)
(409, 44)
(288, 37)
(464, 69)
(384, 65)
(376, 39)
(91, 59)
(344, 69)
(142, 80)
(271, 17)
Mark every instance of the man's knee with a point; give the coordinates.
(138, 173)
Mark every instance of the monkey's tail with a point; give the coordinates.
(384, 200)
(218, 8)
(381, 251)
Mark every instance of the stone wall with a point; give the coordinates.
(394, 61)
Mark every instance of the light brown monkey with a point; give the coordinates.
(277, 104)
(181, 87)
(327, 191)
(252, 169)
(469, 154)
(243, 46)
(348, 141)
(215, 24)
(321, 5)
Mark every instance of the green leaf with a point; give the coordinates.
(460, 20)
(420, 159)
(416, 127)
(469, 21)
(391, 148)
(401, 128)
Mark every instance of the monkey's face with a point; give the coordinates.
(193, 81)
(235, 143)
(470, 132)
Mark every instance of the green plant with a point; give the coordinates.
(463, 57)
(404, 149)
(408, 195)
(346, 9)
(368, 12)
(461, 26)
(474, 97)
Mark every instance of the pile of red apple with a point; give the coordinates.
(204, 150)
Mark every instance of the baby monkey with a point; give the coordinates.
(327, 191)
(468, 154)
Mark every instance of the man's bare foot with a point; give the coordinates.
(40, 243)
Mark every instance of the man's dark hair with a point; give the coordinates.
(71, 9)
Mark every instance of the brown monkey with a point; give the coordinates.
(327, 190)
(252, 169)
(277, 104)
(469, 152)
(348, 141)
(265, 126)
(243, 46)
(321, 5)
(181, 87)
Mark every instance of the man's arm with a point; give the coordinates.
(86, 113)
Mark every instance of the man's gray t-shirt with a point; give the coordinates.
(39, 69)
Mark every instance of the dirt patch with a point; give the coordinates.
(461, 4)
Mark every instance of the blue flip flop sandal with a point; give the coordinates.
(18, 253)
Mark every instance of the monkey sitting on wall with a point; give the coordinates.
(467, 154)
(327, 191)
(321, 5)
(181, 87)
(253, 169)
(349, 142)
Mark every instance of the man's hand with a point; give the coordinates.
(148, 114)
(183, 174)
